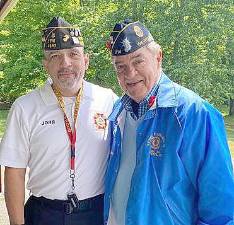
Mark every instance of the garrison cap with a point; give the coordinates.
(59, 34)
(127, 37)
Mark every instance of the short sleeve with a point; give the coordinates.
(14, 147)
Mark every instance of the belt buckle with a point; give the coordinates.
(68, 208)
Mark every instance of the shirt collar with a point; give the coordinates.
(143, 106)
(49, 97)
(166, 97)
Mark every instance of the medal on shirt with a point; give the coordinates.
(72, 138)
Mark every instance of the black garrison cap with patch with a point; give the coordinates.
(127, 37)
(59, 34)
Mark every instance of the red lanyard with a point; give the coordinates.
(71, 135)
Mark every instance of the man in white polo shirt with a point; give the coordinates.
(60, 132)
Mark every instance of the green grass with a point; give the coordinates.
(3, 116)
(229, 121)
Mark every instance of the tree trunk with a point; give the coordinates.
(231, 106)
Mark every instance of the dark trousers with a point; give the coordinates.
(42, 211)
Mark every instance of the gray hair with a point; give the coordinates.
(153, 47)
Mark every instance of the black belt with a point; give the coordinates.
(66, 206)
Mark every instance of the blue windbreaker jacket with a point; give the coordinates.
(183, 173)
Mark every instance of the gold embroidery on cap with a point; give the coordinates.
(65, 38)
(138, 31)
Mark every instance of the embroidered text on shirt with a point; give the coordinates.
(47, 122)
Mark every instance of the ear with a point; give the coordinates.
(45, 64)
(86, 59)
(159, 56)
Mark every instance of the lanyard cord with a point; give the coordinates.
(71, 135)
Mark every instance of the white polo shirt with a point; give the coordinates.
(36, 137)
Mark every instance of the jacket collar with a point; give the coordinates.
(167, 93)
(166, 97)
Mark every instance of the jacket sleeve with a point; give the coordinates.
(212, 173)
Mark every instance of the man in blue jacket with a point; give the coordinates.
(169, 162)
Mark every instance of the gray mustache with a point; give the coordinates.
(65, 70)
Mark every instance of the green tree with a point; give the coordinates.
(196, 38)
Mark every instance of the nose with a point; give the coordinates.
(65, 61)
(130, 72)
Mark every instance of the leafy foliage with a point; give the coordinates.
(196, 38)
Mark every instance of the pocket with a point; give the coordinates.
(179, 200)
(178, 217)
(32, 212)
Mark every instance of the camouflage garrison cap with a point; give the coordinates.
(127, 37)
(59, 34)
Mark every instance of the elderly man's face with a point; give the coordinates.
(66, 68)
(137, 72)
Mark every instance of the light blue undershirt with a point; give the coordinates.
(127, 166)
